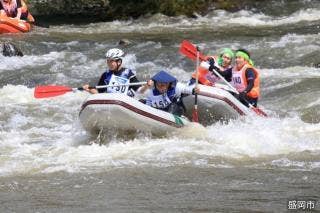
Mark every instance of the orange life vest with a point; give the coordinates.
(239, 80)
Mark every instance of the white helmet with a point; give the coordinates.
(115, 54)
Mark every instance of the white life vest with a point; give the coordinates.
(238, 80)
(118, 80)
(161, 101)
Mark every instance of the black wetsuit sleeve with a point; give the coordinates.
(227, 74)
(250, 79)
(134, 80)
(101, 83)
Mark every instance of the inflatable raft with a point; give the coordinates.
(105, 111)
(214, 104)
(11, 25)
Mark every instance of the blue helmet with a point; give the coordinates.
(164, 77)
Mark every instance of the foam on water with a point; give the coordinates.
(258, 19)
(44, 135)
(216, 19)
(50, 139)
(16, 63)
(296, 73)
(294, 39)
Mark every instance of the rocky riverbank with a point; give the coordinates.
(106, 10)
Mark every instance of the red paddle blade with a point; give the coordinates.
(190, 50)
(195, 117)
(50, 91)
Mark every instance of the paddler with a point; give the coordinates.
(15, 9)
(220, 63)
(246, 78)
(165, 93)
(116, 75)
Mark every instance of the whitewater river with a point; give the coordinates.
(48, 163)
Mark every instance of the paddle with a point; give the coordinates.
(56, 90)
(195, 117)
(189, 50)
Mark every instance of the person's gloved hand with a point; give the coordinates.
(213, 65)
(195, 90)
(211, 62)
(243, 95)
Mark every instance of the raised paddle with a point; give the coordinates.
(190, 50)
(56, 90)
(195, 116)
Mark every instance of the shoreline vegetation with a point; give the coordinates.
(62, 11)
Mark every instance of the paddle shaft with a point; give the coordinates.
(195, 116)
(115, 85)
(226, 82)
(197, 72)
(197, 78)
(55, 90)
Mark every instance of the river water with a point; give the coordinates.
(48, 163)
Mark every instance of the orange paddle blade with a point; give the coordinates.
(50, 91)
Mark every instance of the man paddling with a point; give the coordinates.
(166, 92)
(116, 75)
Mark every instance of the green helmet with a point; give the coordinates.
(228, 52)
(225, 51)
(244, 54)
